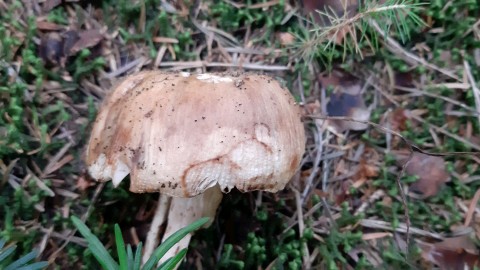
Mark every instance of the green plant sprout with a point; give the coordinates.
(126, 258)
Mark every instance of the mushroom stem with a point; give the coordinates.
(158, 219)
(184, 211)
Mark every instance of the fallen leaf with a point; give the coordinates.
(430, 170)
(83, 183)
(404, 79)
(50, 4)
(340, 79)
(350, 106)
(51, 48)
(86, 39)
(69, 39)
(364, 172)
(398, 119)
(377, 235)
(452, 253)
(49, 26)
(285, 38)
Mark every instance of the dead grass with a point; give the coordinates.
(344, 208)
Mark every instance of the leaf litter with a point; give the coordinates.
(350, 167)
(430, 171)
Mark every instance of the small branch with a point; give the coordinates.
(159, 218)
(476, 91)
(83, 218)
(411, 58)
(198, 64)
(402, 228)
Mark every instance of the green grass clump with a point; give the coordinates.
(132, 261)
(23, 263)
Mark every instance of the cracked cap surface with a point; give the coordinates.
(181, 133)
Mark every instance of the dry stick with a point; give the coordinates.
(471, 208)
(83, 218)
(425, 93)
(403, 228)
(301, 228)
(196, 64)
(159, 218)
(411, 58)
(476, 91)
(412, 147)
(449, 134)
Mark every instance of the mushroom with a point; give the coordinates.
(191, 137)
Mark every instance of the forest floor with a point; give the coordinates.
(368, 194)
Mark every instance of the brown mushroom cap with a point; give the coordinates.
(180, 134)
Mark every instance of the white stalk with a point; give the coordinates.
(184, 211)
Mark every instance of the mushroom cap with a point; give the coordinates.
(180, 134)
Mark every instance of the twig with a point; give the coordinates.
(447, 99)
(301, 228)
(471, 208)
(401, 228)
(449, 134)
(159, 218)
(476, 91)
(414, 147)
(316, 163)
(83, 218)
(199, 64)
(411, 58)
(374, 197)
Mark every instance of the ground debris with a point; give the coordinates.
(430, 170)
(455, 253)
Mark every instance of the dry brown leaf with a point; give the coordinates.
(83, 183)
(430, 170)
(368, 170)
(50, 4)
(365, 171)
(398, 119)
(376, 235)
(86, 39)
(452, 253)
(351, 106)
(340, 79)
(404, 79)
(285, 38)
(49, 26)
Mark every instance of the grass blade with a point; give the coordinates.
(138, 256)
(34, 266)
(122, 255)
(22, 261)
(95, 246)
(172, 240)
(5, 253)
(130, 256)
(172, 262)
